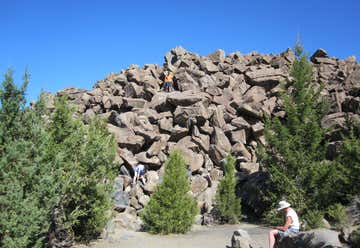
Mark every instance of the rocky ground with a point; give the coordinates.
(200, 236)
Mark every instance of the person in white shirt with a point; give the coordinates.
(291, 224)
(139, 173)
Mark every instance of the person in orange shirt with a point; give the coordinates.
(168, 81)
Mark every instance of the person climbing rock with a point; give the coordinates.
(139, 173)
(168, 81)
(290, 226)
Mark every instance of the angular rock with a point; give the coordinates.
(128, 157)
(196, 112)
(128, 221)
(312, 239)
(238, 136)
(178, 133)
(88, 115)
(144, 200)
(198, 184)
(202, 140)
(217, 57)
(206, 128)
(241, 239)
(159, 102)
(121, 200)
(249, 167)
(186, 82)
(220, 140)
(246, 109)
(254, 94)
(217, 118)
(131, 103)
(192, 159)
(240, 123)
(166, 125)
(126, 138)
(185, 98)
(158, 146)
(208, 66)
(239, 150)
(257, 129)
(266, 77)
(320, 53)
(153, 161)
(217, 154)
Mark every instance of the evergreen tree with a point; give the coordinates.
(350, 159)
(82, 158)
(171, 208)
(26, 194)
(295, 154)
(228, 206)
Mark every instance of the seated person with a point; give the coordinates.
(291, 224)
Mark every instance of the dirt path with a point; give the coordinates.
(199, 237)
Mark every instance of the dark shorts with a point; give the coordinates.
(168, 84)
(140, 172)
(287, 232)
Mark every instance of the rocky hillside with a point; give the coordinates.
(217, 108)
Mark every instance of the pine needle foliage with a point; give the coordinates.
(45, 168)
(228, 206)
(26, 194)
(295, 154)
(171, 208)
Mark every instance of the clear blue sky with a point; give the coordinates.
(77, 42)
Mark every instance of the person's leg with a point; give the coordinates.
(272, 235)
(135, 177)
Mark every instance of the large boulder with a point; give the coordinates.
(220, 140)
(198, 184)
(265, 77)
(185, 98)
(126, 138)
(319, 238)
(196, 113)
(241, 239)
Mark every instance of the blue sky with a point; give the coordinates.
(77, 42)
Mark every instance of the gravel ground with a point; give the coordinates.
(200, 237)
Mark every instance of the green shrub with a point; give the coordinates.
(337, 215)
(313, 219)
(26, 193)
(85, 176)
(274, 218)
(171, 208)
(228, 206)
(53, 177)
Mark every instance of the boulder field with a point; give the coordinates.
(217, 107)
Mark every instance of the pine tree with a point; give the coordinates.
(26, 195)
(228, 206)
(295, 154)
(171, 208)
(82, 158)
(350, 159)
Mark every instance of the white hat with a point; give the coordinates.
(282, 205)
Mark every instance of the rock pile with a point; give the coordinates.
(217, 108)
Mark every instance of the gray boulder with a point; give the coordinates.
(319, 238)
(241, 239)
(265, 77)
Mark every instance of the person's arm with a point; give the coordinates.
(286, 225)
